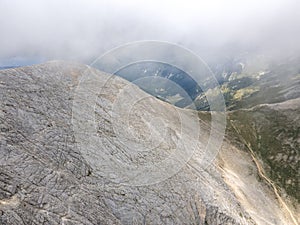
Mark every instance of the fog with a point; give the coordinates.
(35, 30)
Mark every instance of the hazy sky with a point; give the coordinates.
(82, 30)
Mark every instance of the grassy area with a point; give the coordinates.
(274, 136)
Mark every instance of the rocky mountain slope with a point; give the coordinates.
(48, 177)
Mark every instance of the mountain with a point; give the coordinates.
(255, 80)
(7, 67)
(75, 150)
(162, 80)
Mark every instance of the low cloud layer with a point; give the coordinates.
(82, 30)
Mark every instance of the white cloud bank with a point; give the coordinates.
(81, 30)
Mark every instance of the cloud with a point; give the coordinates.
(82, 30)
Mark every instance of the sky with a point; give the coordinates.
(82, 30)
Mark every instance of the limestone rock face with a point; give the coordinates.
(47, 177)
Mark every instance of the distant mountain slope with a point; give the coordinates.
(46, 178)
(7, 67)
(261, 81)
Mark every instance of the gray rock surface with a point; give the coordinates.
(46, 179)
